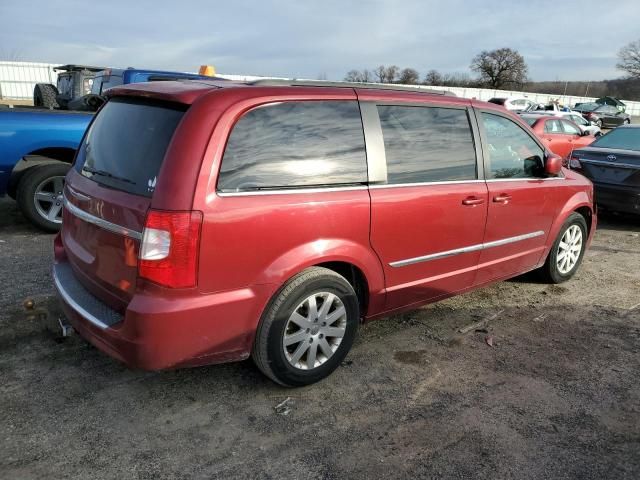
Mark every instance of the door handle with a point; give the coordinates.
(472, 201)
(502, 198)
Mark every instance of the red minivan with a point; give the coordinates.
(207, 222)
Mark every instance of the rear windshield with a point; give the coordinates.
(621, 138)
(126, 143)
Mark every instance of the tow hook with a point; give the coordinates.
(65, 327)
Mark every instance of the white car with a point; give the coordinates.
(575, 117)
(515, 104)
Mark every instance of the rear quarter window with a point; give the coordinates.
(126, 144)
(293, 145)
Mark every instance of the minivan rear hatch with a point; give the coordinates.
(109, 190)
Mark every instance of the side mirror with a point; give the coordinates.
(552, 164)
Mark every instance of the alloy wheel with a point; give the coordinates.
(48, 199)
(314, 330)
(569, 249)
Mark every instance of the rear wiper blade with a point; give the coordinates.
(107, 174)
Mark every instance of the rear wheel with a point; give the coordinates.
(39, 195)
(627, 121)
(599, 123)
(307, 329)
(567, 251)
(44, 95)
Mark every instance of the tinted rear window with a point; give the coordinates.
(293, 145)
(126, 144)
(622, 138)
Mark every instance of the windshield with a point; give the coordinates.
(126, 143)
(530, 120)
(621, 138)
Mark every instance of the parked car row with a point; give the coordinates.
(604, 116)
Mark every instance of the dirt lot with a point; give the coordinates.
(556, 396)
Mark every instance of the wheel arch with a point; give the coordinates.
(358, 264)
(62, 154)
(578, 203)
(34, 158)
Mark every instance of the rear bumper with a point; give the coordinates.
(618, 198)
(165, 331)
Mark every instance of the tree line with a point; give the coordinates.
(506, 69)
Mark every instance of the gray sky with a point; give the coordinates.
(568, 40)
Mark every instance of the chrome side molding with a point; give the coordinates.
(470, 248)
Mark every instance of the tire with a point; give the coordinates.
(627, 121)
(552, 271)
(599, 123)
(48, 180)
(288, 314)
(44, 95)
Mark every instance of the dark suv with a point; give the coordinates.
(206, 222)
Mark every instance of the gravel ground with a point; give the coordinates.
(556, 396)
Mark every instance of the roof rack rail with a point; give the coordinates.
(266, 82)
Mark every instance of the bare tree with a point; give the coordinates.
(363, 76)
(384, 74)
(353, 76)
(433, 77)
(380, 74)
(500, 68)
(629, 59)
(409, 76)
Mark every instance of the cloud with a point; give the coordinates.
(559, 40)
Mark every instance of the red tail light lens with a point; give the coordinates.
(169, 248)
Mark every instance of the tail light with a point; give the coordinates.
(169, 249)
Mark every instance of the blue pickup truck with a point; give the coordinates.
(37, 146)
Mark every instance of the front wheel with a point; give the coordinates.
(567, 251)
(307, 329)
